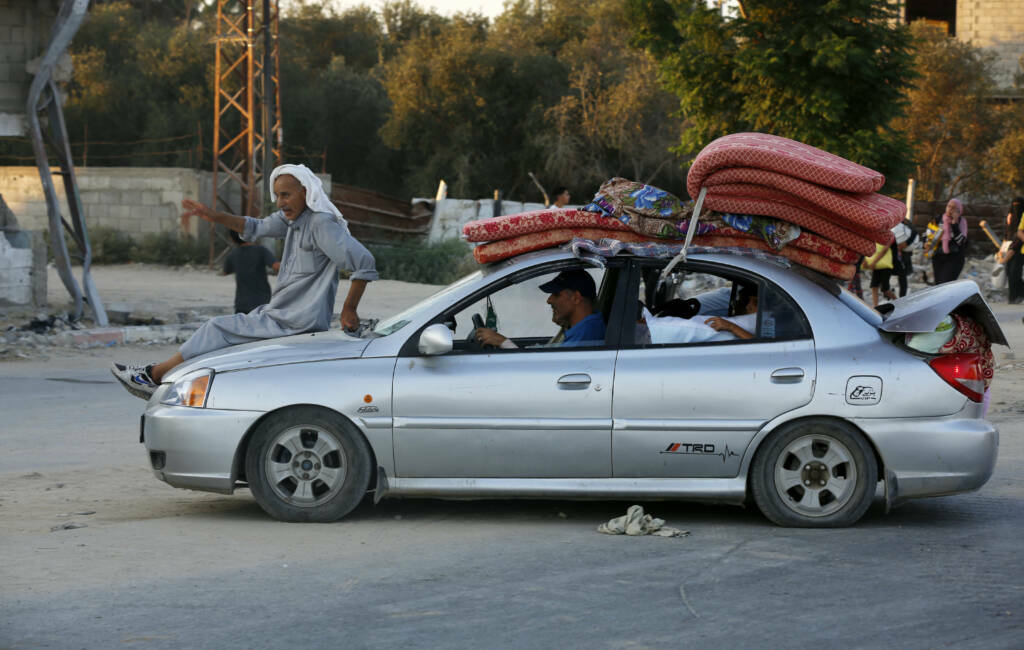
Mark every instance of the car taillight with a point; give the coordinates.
(962, 372)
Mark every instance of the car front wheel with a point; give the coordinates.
(307, 464)
(816, 474)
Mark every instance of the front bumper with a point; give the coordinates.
(930, 457)
(197, 447)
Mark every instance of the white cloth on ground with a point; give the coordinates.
(316, 198)
(635, 522)
(316, 245)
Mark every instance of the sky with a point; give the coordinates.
(489, 8)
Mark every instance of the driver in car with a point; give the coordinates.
(572, 295)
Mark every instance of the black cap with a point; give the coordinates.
(575, 279)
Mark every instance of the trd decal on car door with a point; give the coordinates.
(698, 449)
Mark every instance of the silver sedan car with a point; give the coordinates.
(805, 418)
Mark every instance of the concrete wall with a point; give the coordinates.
(997, 26)
(134, 200)
(451, 214)
(22, 268)
(24, 33)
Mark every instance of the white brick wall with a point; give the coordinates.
(24, 32)
(451, 214)
(135, 200)
(997, 26)
(15, 274)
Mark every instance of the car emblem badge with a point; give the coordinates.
(863, 390)
(367, 409)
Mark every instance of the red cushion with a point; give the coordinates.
(504, 248)
(795, 255)
(856, 211)
(512, 225)
(772, 153)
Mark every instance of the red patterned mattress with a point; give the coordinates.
(796, 255)
(782, 155)
(859, 212)
(807, 241)
(503, 248)
(513, 225)
(787, 208)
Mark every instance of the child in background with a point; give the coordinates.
(881, 271)
(249, 262)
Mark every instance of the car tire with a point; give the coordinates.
(307, 464)
(816, 473)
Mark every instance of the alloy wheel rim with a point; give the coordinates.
(815, 475)
(305, 465)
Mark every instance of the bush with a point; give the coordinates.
(170, 248)
(111, 246)
(428, 263)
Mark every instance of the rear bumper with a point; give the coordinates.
(930, 457)
(196, 447)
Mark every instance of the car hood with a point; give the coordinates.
(318, 346)
(922, 311)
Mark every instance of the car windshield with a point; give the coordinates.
(406, 316)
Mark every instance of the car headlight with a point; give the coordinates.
(190, 390)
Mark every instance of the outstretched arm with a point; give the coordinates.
(213, 216)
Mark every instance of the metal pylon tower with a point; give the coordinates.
(247, 106)
(46, 124)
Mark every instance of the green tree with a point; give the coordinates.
(461, 110)
(139, 79)
(830, 74)
(951, 121)
(313, 35)
(613, 118)
(1008, 152)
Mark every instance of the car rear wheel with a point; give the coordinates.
(815, 473)
(307, 464)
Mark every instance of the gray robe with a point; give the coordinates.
(316, 245)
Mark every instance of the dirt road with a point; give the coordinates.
(152, 566)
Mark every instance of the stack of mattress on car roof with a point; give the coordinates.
(763, 192)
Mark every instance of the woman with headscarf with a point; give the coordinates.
(1014, 259)
(316, 244)
(948, 261)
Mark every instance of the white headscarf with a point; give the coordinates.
(316, 198)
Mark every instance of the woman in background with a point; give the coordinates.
(948, 261)
(1014, 259)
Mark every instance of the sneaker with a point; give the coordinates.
(136, 379)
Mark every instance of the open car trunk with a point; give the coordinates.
(923, 310)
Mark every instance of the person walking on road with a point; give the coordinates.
(1014, 260)
(249, 261)
(948, 261)
(317, 243)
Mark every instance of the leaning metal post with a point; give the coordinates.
(72, 13)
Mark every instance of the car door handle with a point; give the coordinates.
(783, 375)
(574, 381)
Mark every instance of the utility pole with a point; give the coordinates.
(247, 107)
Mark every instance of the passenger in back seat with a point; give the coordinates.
(744, 324)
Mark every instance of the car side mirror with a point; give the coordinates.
(435, 339)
